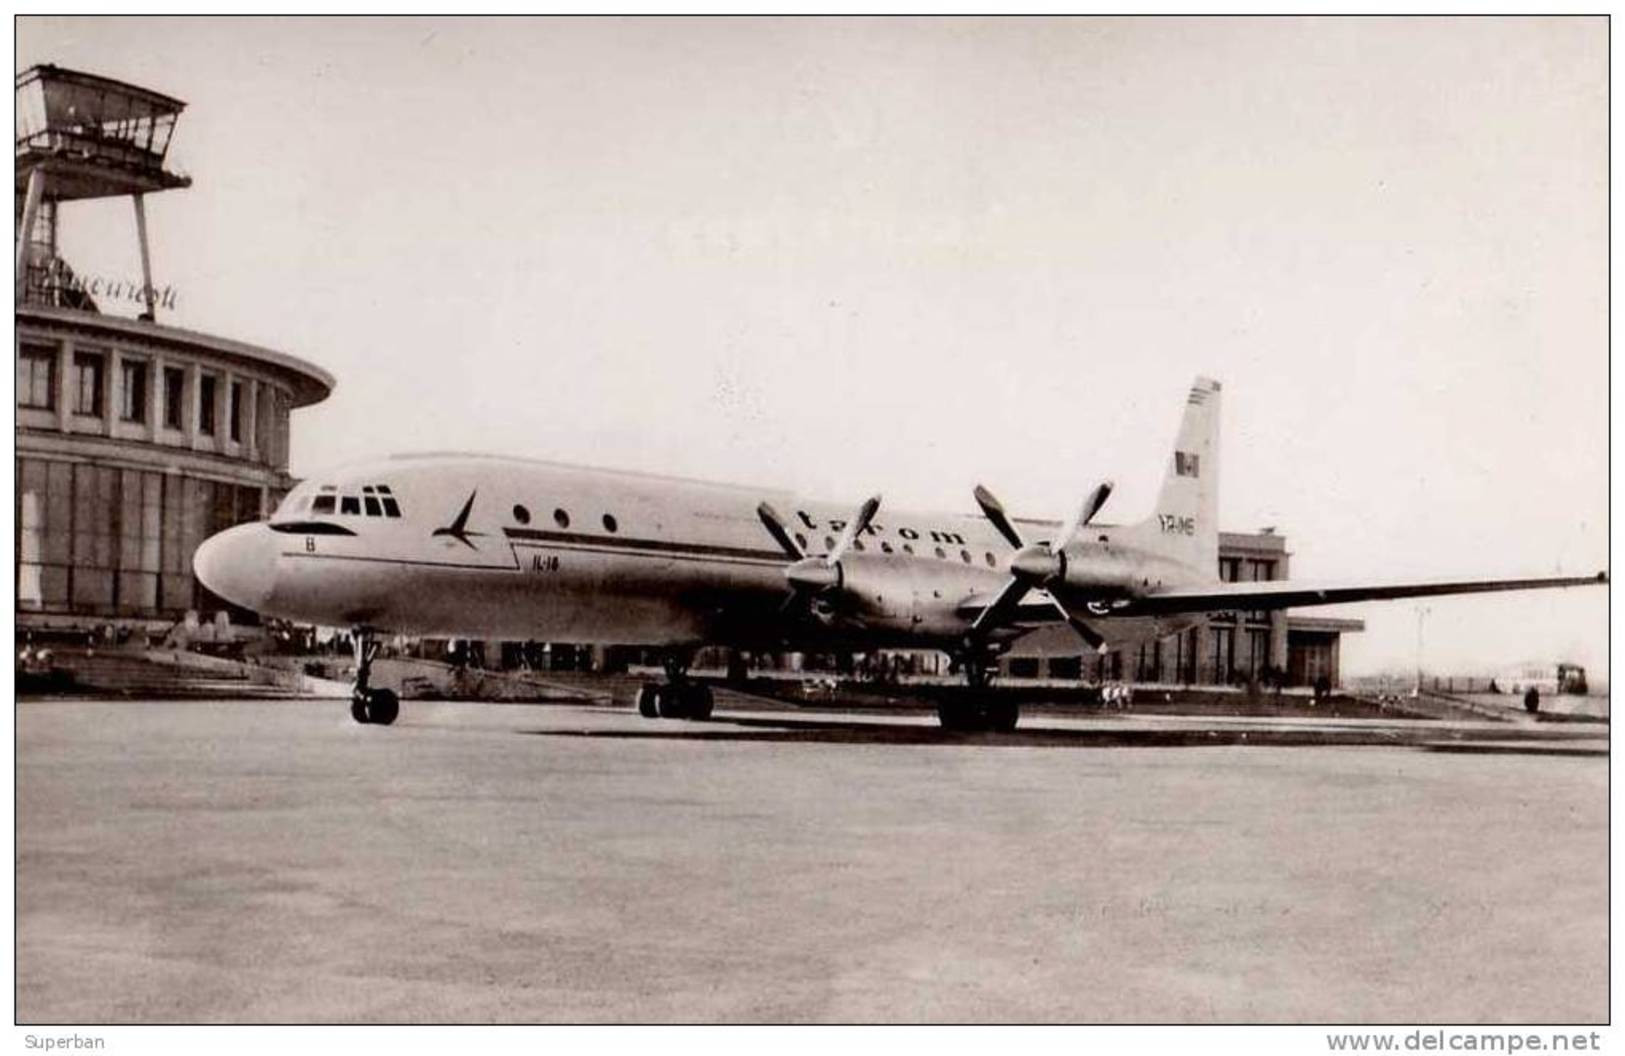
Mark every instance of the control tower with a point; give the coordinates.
(83, 136)
(136, 439)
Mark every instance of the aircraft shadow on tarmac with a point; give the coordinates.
(794, 729)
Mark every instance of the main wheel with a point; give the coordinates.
(669, 702)
(1002, 717)
(358, 708)
(647, 698)
(959, 718)
(383, 707)
(697, 701)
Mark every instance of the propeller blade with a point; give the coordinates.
(866, 513)
(994, 511)
(1091, 506)
(999, 610)
(1086, 632)
(775, 527)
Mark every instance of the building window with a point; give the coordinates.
(88, 383)
(175, 397)
(1262, 571)
(36, 377)
(1230, 569)
(133, 390)
(205, 404)
(234, 411)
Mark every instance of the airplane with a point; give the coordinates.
(464, 546)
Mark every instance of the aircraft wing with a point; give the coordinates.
(1286, 593)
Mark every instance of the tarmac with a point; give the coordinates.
(272, 861)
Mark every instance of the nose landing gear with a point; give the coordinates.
(367, 705)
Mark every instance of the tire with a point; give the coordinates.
(358, 709)
(383, 707)
(669, 702)
(647, 696)
(1002, 717)
(959, 718)
(697, 701)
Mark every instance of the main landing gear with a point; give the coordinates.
(368, 705)
(678, 697)
(973, 713)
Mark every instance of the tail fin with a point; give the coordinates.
(1184, 522)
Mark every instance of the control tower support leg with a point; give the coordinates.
(148, 294)
(25, 231)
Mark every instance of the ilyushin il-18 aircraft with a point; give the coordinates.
(466, 546)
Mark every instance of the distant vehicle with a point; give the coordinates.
(466, 546)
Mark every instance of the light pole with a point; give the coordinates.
(1421, 619)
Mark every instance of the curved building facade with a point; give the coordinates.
(135, 442)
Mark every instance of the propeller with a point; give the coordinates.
(1037, 564)
(812, 576)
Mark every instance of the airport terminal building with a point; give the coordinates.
(136, 440)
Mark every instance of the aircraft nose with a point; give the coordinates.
(239, 564)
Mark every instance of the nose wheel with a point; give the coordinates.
(370, 706)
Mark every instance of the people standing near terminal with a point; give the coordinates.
(1531, 700)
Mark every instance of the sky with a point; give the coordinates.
(911, 255)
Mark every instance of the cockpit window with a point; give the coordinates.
(350, 504)
(323, 504)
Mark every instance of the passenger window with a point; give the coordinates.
(908, 548)
(829, 543)
(991, 563)
(609, 523)
(857, 544)
(322, 504)
(942, 553)
(964, 555)
(801, 541)
(521, 515)
(351, 505)
(561, 518)
(885, 547)
(373, 509)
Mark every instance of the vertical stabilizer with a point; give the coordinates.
(1184, 522)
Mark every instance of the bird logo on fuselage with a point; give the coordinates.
(458, 529)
